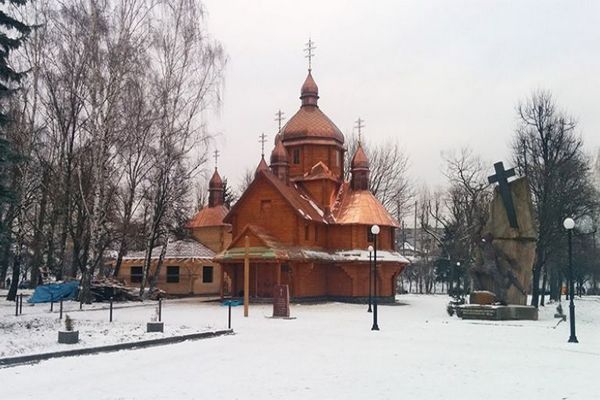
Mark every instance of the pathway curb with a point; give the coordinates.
(34, 358)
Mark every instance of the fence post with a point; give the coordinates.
(16, 306)
(111, 309)
(229, 317)
(159, 309)
(51, 303)
(61, 309)
(21, 304)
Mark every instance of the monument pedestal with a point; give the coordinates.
(497, 312)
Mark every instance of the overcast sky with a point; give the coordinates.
(433, 75)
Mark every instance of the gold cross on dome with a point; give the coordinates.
(216, 156)
(360, 123)
(262, 140)
(309, 49)
(279, 118)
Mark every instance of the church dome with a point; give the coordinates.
(279, 154)
(215, 182)
(310, 123)
(360, 160)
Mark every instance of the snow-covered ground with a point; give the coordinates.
(36, 330)
(329, 352)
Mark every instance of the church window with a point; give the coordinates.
(306, 232)
(337, 158)
(207, 274)
(316, 233)
(136, 274)
(296, 156)
(265, 205)
(173, 274)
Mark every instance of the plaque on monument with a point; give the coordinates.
(281, 301)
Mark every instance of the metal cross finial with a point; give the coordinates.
(501, 177)
(262, 140)
(279, 118)
(216, 156)
(360, 123)
(309, 49)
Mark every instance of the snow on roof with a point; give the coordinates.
(178, 249)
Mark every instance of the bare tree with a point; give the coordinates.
(187, 81)
(548, 151)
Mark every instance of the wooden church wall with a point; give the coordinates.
(265, 207)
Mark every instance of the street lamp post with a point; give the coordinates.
(569, 224)
(375, 232)
(370, 248)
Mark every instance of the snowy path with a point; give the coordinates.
(329, 352)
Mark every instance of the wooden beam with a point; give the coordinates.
(278, 273)
(246, 277)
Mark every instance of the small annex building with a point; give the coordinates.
(188, 267)
(306, 226)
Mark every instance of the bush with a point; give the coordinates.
(69, 325)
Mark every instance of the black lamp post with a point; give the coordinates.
(375, 232)
(370, 248)
(569, 224)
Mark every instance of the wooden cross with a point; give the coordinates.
(360, 123)
(279, 118)
(501, 177)
(216, 156)
(262, 140)
(309, 49)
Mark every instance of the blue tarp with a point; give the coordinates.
(55, 292)
(233, 303)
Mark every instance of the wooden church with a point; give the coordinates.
(302, 225)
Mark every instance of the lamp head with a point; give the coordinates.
(370, 249)
(569, 223)
(375, 230)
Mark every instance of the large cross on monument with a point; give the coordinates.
(501, 177)
(310, 47)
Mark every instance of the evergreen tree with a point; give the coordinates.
(12, 35)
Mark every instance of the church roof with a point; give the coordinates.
(297, 198)
(178, 249)
(208, 216)
(262, 165)
(360, 207)
(268, 248)
(318, 171)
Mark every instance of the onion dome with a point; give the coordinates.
(360, 160)
(279, 161)
(360, 170)
(279, 154)
(215, 182)
(309, 93)
(215, 190)
(310, 123)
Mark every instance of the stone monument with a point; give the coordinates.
(506, 251)
(281, 301)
